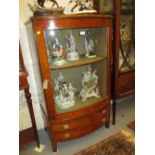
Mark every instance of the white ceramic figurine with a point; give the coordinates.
(89, 45)
(89, 84)
(72, 53)
(65, 97)
(58, 53)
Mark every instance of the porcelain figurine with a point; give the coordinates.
(58, 53)
(65, 97)
(82, 4)
(72, 53)
(42, 3)
(89, 84)
(89, 45)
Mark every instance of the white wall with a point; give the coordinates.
(31, 64)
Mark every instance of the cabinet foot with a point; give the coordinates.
(114, 112)
(107, 125)
(45, 128)
(54, 147)
(30, 107)
(38, 144)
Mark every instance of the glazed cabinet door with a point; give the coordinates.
(75, 61)
(127, 50)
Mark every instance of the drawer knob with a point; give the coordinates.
(66, 135)
(103, 120)
(38, 32)
(66, 126)
(103, 111)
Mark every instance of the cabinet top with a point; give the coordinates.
(62, 16)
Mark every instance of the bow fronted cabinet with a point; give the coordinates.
(74, 53)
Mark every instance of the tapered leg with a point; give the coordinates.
(114, 105)
(29, 101)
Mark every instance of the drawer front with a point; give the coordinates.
(82, 122)
(68, 135)
(23, 82)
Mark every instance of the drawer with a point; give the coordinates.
(126, 83)
(68, 135)
(23, 82)
(82, 122)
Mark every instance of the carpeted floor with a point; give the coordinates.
(121, 143)
(125, 114)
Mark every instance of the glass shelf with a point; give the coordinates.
(81, 62)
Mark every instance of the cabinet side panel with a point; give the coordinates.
(36, 69)
(126, 83)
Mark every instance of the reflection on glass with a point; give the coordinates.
(127, 51)
(127, 5)
(106, 6)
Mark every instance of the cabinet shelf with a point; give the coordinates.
(79, 104)
(81, 62)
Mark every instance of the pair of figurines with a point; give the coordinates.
(60, 56)
(65, 92)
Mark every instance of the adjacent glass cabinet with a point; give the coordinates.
(74, 53)
(124, 51)
(123, 74)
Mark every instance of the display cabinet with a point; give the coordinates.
(123, 75)
(30, 134)
(74, 53)
(124, 52)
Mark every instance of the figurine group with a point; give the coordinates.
(80, 4)
(42, 3)
(65, 92)
(89, 84)
(60, 55)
